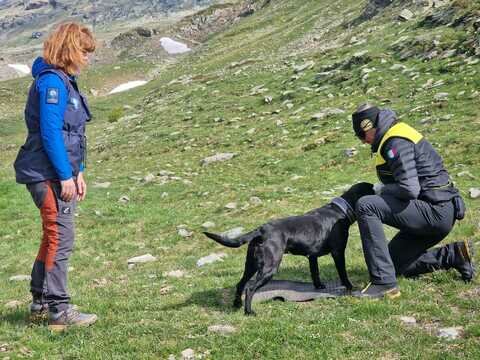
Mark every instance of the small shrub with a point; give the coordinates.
(115, 114)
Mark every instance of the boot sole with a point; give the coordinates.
(63, 327)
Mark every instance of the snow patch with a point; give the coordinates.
(127, 86)
(173, 47)
(20, 68)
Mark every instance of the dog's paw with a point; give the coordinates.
(250, 313)
(320, 286)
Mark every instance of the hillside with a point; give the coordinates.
(276, 88)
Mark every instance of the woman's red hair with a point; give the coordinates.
(66, 46)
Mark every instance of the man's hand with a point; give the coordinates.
(81, 187)
(69, 190)
(378, 188)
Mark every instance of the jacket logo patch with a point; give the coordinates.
(66, 210)
(52, 96)
(74, 102)
(392, 153)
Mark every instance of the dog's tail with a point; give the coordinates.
(234, 242)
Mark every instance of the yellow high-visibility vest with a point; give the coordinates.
(398, 130)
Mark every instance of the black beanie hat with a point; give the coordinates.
(365, 120)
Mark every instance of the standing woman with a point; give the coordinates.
(51, 164)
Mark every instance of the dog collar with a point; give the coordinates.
(346, 208)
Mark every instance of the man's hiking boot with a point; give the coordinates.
(464, 259)
(68, 318)
(373, 291)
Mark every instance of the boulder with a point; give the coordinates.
(143, 32)
(35, 4)
(406, 15)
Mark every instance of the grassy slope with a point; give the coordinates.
(175, 129)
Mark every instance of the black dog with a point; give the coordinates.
(317, 233)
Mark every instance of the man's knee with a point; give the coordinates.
(367, 205)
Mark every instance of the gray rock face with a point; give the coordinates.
(372, 8)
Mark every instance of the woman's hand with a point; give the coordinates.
(81, 187)
(69, 190)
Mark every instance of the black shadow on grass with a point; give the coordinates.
(221, 299)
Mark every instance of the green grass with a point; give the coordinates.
(174, 129)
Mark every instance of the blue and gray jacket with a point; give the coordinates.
(407, 163)
(55, 115)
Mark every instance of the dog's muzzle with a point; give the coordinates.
(346, 208)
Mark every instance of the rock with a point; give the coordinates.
(124, 199)
(184, 233)
(425, 3)
(255, 200)
(188, 354)
(474, 193)
(171, 357)
(20, 278)
(13, 304)
(149, 178)
(208, 225)
(300, 68)
(104, 185)
(222, 329)
(143, 31)
(406, 15)
(217, 157)
(142, 259)
(210, 259)
(351, 152)
(466, 173)
(451, 333)
(268, 99)
(396, 67)
(408, 320)
(326, 113)
(233, 233)
(31, 5)
(175, 274)
(231, 206)
(441, 97)
(448, 54)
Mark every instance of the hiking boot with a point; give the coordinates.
(69, 317)
(38, 312)
(464, 259)
(374, 291)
